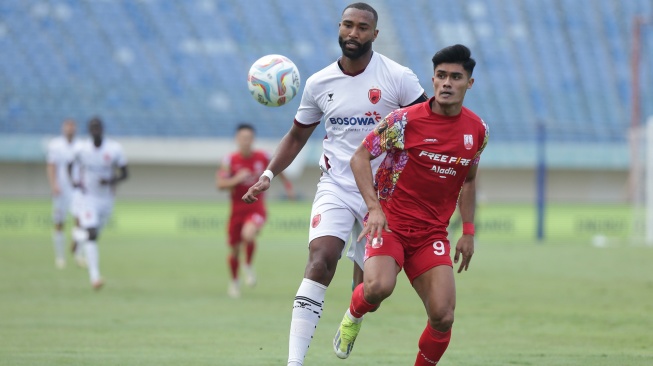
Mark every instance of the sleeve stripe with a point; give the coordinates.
(299, 124)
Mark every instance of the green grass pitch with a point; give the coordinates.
(560, 302)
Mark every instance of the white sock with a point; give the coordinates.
(306, 313)
(92, 260)
(58, 239)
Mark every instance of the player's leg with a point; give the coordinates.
(233, 258)
(431, 274)
(58, 238)
(381, 269)
(250, 231)
(331, 223)
(76, 248)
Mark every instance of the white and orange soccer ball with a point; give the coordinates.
(273, 80)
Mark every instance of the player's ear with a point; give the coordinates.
(470, 83)
(376, 34)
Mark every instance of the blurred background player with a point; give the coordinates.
(99, 159)
(60, 153)
(436, 144)
(237, 172)
(351, 95)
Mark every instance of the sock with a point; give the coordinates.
(58, 240)
(432, 345)
(233, 265)
(93, 260)
(359, 306)
(306, 313)
(249, 252)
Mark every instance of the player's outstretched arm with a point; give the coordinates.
(51, 171)
(467, 206)
(362, 169)
(291, 144)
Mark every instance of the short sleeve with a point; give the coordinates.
(484, 136)
(121, 159)
(309, 112)
(388, 134)
(410, 88)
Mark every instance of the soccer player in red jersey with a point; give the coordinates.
(432, 155)
(237, 172)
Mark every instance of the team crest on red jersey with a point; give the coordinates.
(316, 220)
(469, 141)
(374, 94)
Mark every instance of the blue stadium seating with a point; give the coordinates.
(178, 69)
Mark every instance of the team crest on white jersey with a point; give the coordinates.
(374, 94)
(469, 141)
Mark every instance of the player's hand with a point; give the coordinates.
(106, 182)
(375, 225)
(242, 175)
(259, 187)
(465, 247)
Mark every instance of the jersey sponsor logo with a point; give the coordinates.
(316, 220)
(374, 94)
(431, 140)
(469, 141)
(353, 121)
(445, 158)
(330, 97)
(444, 171)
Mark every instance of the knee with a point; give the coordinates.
(320, 269)
(441, 319)
(377, 289)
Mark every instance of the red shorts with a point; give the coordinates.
(238, 220)
(414, 250)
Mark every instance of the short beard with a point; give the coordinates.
(354, 54)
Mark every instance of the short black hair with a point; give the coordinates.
(245, 126)
(364, 6)
(456, 54)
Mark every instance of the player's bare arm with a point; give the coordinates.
(291, 144)
(51, 170)
(122, 175)
(467, 206)
(376, 221)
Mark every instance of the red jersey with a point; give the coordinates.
(256, 163)
(427, 160)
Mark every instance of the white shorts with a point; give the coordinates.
(61, 207)
(337, 212)
(95, 212)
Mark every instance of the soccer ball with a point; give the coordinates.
(273, 80)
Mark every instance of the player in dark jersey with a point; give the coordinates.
(432, 155)
(237, 172)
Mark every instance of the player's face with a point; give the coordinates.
(68, 129)
(450, 83)
(95, 129)
(357, 31)
(245, 140)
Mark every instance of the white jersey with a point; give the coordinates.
(351, 106)
(60, 154)
(97, 163)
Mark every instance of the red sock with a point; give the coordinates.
(359, 306)
(432, 345)
(233, 265)
(249, 251)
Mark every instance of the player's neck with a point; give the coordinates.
(245, 153)
(446, 110)
(355, 66)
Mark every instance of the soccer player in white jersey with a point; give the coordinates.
(99, 160)
(59, 155)
(350, 96)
